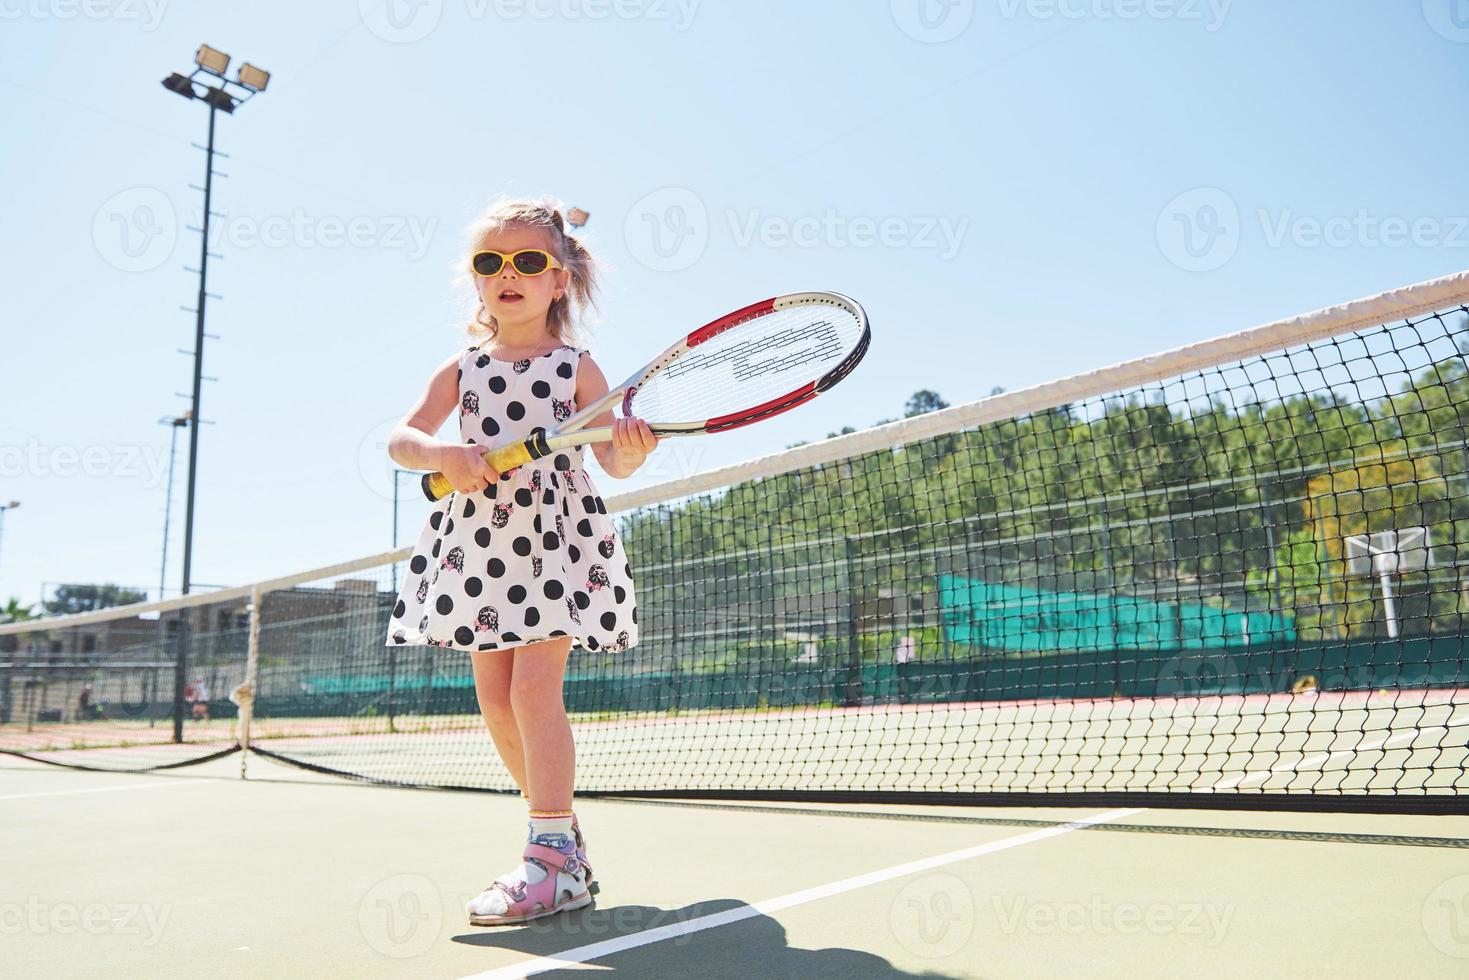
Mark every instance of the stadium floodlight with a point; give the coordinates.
(211, 60)
(180, 84)
(220, 99)
(1387, 553)
(252, 78)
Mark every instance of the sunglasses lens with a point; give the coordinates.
(531, 263)
(487, 263)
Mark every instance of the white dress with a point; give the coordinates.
(532, 556)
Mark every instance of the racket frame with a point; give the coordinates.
(573, 431)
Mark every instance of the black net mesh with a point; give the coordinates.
(1239, 586)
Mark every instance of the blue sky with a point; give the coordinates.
(1016, 189)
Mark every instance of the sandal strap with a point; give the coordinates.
(556, 860)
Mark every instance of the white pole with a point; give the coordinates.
(1387, 605)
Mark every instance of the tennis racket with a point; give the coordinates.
(747, 366)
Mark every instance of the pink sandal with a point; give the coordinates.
(562, 886)
(581, 855)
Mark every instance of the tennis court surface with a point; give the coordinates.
(1176, 638)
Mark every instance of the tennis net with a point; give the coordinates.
(1226, 575)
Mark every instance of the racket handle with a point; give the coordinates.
(436, 486)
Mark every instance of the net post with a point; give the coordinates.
(244, 695)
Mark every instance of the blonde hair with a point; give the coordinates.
(581, 268)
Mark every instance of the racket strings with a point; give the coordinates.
(750, 364)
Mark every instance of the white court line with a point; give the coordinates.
(1311, 763)
(100, 789)
(585, 954)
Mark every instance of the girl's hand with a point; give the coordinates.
(466, 468)
(632, 441)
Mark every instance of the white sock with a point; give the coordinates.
(551, 831)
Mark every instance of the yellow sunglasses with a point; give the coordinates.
(527, 262)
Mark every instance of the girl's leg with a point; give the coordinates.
(492, 673)
(545, 734)
(552, 875)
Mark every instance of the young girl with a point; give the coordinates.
(519, 567)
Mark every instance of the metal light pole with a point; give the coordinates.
(3, 508)
(214, 90)
(217, 95)
(173, 440)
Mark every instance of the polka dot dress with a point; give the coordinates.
(532, 556)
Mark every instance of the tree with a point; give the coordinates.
(71, 599)
(923, 402)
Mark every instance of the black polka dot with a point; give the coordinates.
(582, 599)
(563, 370)
(497, 385)
(496, 568)
(435, 519)
(627, 569)
(418, 564)
(473, 586)
(510, 637)
(619, 593)
(468, 508)
(565, 509)
(549, 541)
(435, 550)
(634, 614)
(548, 496)
(574, 553)
(532, 616)
(584, 528)
(444, 605)
(459, 375)
(589, 504)
(515, 411)
(490, 427)
(558, 632)
(591, 643)
(523, 497)
(601, 507)
(552, 589)
(609, 620)
(563, 461)
(490, 492)
(488, 646)
(482, 537)
(536, 524)
(522, 546)
(399, 610)
(449, 528)
(516, 594)
(464, 636)
(541, 390)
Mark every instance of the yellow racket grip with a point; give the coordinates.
(436, 486)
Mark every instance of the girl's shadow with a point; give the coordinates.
(754, 946)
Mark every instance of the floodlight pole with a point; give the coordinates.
(198, 356)
(251, 81)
